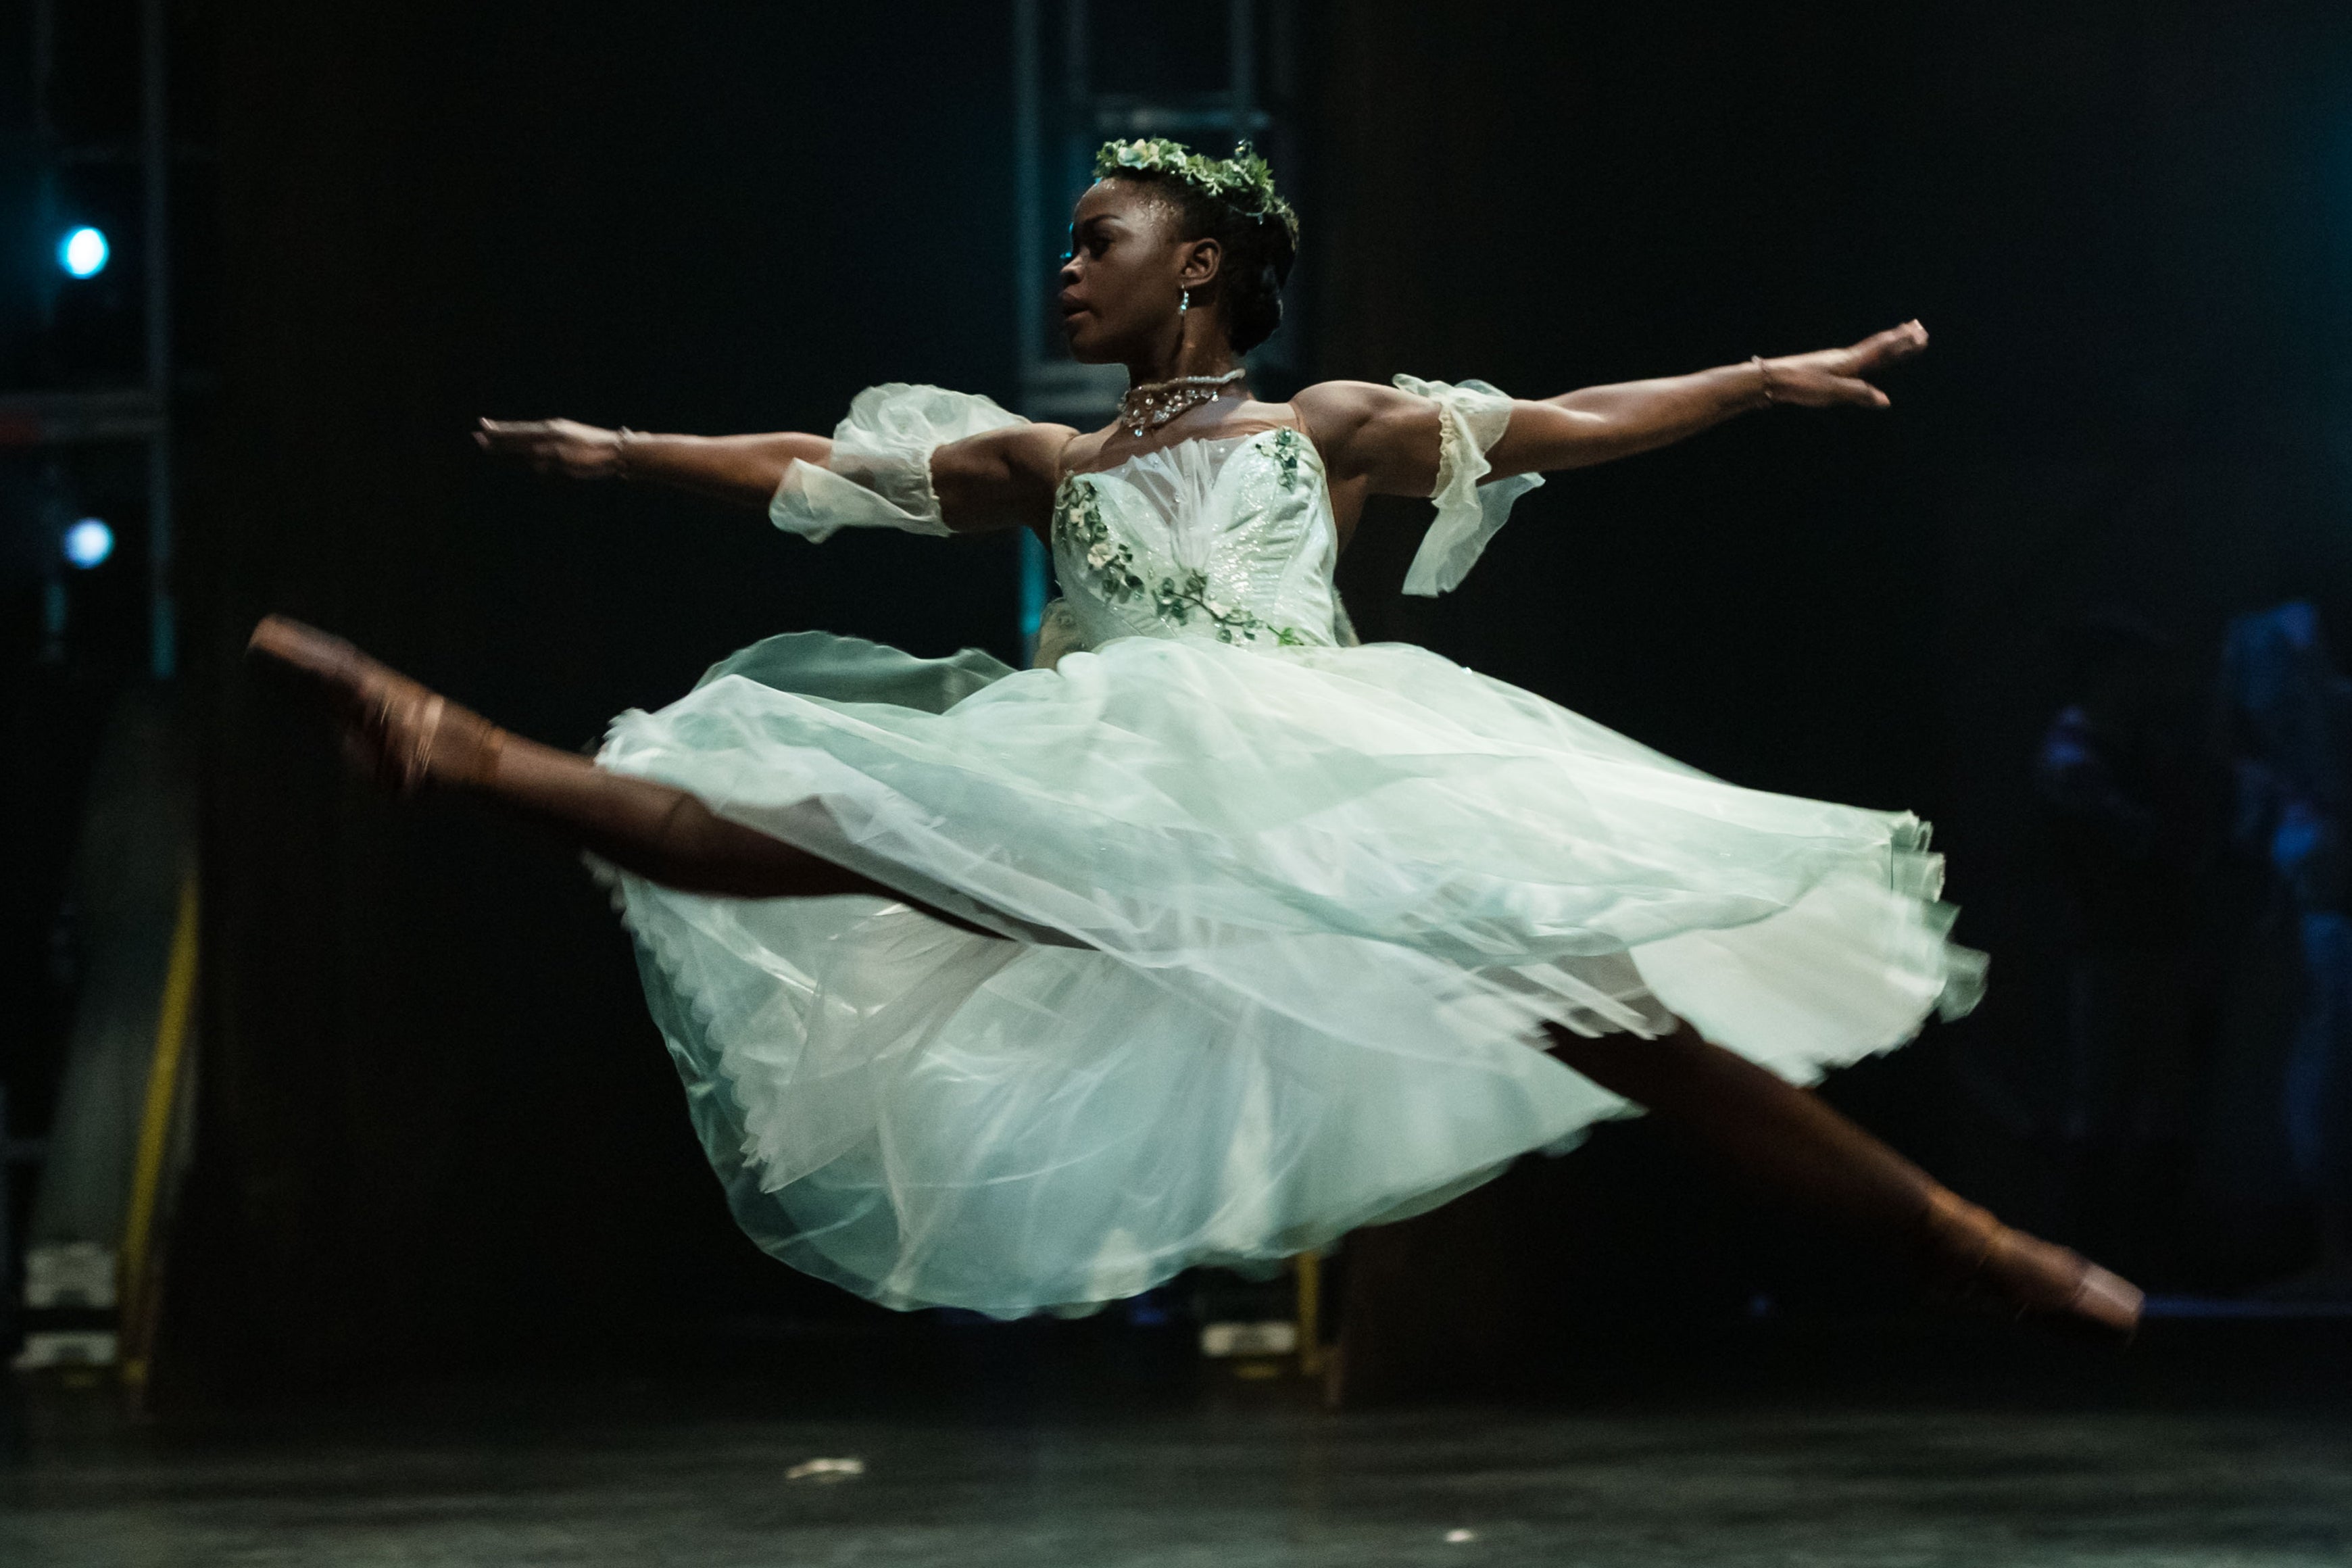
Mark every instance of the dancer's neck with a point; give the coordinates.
(1185, 352)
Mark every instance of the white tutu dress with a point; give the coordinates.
(1287, 916)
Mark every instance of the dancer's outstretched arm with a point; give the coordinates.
(742, 469)
(1385, 441)
(1002, 478)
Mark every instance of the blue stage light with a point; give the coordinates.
(83, 252)
(88, 542)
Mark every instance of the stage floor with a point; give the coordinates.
(564, 1483)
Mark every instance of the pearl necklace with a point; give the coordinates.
(1155, 403)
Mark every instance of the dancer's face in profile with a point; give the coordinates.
(1128, 266)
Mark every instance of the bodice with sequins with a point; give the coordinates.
(1230, 538)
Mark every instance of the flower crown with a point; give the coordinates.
(1243, 182)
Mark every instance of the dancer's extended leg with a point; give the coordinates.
(1793, 1140)
(1769, 1128)
(412, 736)
(664, 835)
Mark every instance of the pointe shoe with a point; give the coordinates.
(403, 734)
(1980, 1264)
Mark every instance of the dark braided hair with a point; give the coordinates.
(1258, 253)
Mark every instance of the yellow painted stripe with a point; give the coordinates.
(155, 1118)
(1309, 1286)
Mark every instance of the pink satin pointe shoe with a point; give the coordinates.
(402, 733)
(1980, 1264)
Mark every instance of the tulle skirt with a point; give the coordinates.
(1286, 927)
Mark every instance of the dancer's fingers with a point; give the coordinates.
(1860, 393)
(1892, 346)
(552, 446)
(1807, 382)
(513, 436)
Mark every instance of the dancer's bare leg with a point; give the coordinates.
(410, 737)
(1792, 1139)
(661, 833)
(1772, 1129)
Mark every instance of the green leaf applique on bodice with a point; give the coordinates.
(1230, 538)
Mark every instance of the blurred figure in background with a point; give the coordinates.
(2284, 715)
(2137, 799)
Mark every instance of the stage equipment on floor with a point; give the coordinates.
(120, 1136)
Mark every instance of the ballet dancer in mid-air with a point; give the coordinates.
(1217, 935)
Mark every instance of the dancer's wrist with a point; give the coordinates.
(1763, 391)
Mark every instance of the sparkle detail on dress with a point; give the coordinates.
(1177, 597)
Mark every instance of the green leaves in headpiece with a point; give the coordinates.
(1244, 181)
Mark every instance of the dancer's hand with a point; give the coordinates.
(1830, 377)
(562, 446)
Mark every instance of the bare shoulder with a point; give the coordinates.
(1037, 449)
(1081, 449)
(1015, 453)
(1340, 407)
(1366, 430)
(1000, 479)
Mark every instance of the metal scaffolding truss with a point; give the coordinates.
(133, 410)
(139, 411)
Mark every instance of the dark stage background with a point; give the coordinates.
(439, 1133)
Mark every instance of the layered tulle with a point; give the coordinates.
(1285, 925)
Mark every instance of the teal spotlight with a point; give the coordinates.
(88, 542)
(83, 252)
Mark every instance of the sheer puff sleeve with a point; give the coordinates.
(879, 475)
(1471, 417)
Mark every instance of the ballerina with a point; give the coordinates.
(1216, 935)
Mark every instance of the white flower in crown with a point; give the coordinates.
(1098, 556)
